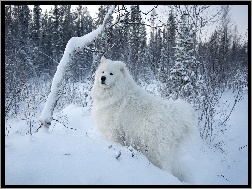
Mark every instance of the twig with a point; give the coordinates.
(64, 124)
(231, 110)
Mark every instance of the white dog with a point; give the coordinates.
(127, 114)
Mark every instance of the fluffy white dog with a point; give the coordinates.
(127, 114)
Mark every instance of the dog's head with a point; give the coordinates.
(109, 73)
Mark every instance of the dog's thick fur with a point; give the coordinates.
(129, 115)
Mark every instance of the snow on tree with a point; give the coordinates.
(182, 75)
(137, 42)
(82, 24)
(73, 44)
(36, 26)
(163, 65)
(102, 44)
(152, 58)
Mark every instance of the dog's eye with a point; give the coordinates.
(103, 72)
(111, 74)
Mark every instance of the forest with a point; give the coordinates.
(173, 54)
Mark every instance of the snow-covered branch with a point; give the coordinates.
(73, 44)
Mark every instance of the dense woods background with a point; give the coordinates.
(173, 54)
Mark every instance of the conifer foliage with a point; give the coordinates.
(182, 74)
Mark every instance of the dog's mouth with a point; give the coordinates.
(104, 85)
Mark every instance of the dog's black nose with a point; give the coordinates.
(103, 78)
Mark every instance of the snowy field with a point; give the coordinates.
(74, 152)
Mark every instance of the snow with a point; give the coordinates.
(236, 141)
(80, 155)
(73, 43)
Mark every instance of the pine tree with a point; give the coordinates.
(103, 44)
(36, 25)
(125, 31)
(57, 33)
(137, 42)
(159, 45)
(9, 43)
(117, 43)
(67, 24)
(163, 65)
(152, 44)
(171, 42)
(18, 68)
(167, 52)
(182, 79)
(81, 59)
(9, 62)
(83, 22)
(45, 53)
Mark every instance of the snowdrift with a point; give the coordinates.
(74, 152)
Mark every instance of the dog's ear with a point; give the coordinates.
(103, 59)
(122, 67)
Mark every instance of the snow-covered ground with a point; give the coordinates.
(74, 152)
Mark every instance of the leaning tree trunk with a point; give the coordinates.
(73, 44)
